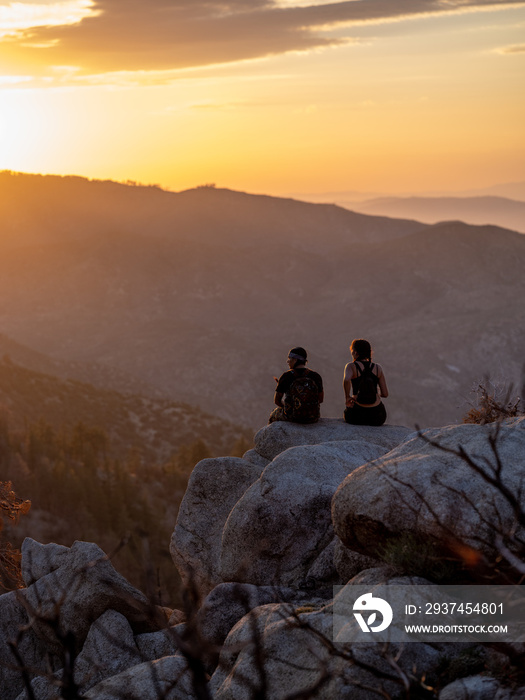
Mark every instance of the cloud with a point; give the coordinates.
(162, 35)
(17, 18)
(516, 48)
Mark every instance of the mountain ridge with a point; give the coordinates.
(480, 210)
(207, 319)
(115, 207)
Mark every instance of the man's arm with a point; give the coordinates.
(278, 399)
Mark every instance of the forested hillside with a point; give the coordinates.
(78, 492)
(151, 429)
(102, 466)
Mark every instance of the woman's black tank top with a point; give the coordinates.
(356, 381)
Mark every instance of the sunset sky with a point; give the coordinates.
(271, 96)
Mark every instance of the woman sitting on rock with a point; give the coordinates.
(364, 384)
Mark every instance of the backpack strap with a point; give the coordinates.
(367, 365)
(298, 376)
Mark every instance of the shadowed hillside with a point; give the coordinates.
(93, 373)
(152, 429)
(200, 294)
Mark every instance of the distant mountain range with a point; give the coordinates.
(200, 294)
(509, 190)
(500, 205)
(504, 212)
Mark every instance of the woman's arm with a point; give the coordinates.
(383, 389)
(347, 383)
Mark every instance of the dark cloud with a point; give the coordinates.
(170, 34)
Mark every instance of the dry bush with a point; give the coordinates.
(493, 403)
(11, 507)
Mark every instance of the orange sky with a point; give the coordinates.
(271, 96)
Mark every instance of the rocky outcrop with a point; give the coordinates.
(81, 585)
(75, 599)
(108, 650)
(229, 602)
(267, 521)
(214, 488)
(441, 486)
(263, 538)
(289, 638)
(38, 560)
(273, 439)
(282, 523)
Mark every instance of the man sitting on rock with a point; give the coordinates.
(299, 391)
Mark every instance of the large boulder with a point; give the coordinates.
(30, 649)
(474, 688)
(279, 436)
(108, 650)
(155, 645)
(425, 487)
(214, 487)
(292, 652)
(38, 560)
(166, 678)
(260, 522)
(74, 589)
(229, 602)
(69, 588)
(282, 523)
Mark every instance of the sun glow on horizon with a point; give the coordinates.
(430, 104)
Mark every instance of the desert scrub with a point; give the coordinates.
(493, 403)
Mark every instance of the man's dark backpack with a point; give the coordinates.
(301, 401)
(368, 381)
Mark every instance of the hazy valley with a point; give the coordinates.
(505, 212)
(501, 205)
(147, 429)
(200, 294)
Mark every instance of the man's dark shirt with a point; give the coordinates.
(286, 379)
